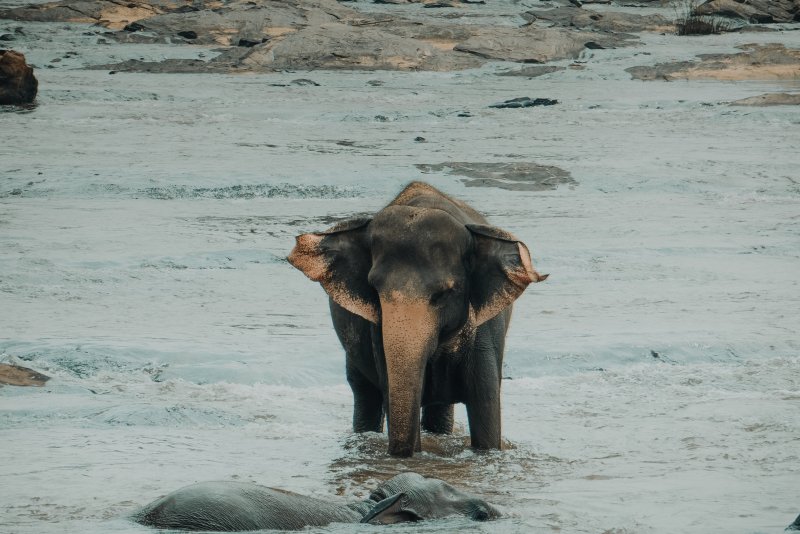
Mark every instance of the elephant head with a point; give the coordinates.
(427, 279)
(412, 497)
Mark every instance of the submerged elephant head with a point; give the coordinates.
(412, 497)
(427, 278)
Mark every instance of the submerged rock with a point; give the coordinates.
(755, 62)
(532, 71)
(770, 99)
(525, 102)
(516, 176)
(18, 85)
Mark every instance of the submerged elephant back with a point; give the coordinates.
(238, 506)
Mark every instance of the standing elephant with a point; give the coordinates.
(420, 296)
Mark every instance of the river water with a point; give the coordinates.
(652, 384)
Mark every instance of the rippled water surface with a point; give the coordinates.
(651, 383)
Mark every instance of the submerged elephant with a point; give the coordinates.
(420, 296)
(239, 506)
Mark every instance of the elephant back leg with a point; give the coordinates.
(438, 418)
(354, 335)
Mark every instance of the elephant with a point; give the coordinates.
(420, 297)
(228, 506)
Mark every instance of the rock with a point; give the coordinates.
(525, 102)
(109, 14)
(188, 34)
(607, 21)
(795, 525)
(755, 62)
(536, 45)
(18, 85)
(516, 176)
(304, 81)
(7, 37)
(340, 46)
(532, 71)
(754, 11)
(14, 375)
(770, 99)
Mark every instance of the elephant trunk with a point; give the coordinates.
(409, 329)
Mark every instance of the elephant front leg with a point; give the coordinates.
(367, 403)
(438, 418)
(484, 422)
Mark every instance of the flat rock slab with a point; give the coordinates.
(755, 11)
(770, 99)
(755, 62)
(14, 375)
(512, 176)
(109, 14)
(537, 45)
(609, 21)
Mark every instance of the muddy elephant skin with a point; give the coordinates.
(241, 506)
(18, 85)
(420, 297)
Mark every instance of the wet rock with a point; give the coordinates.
(536, 45)
(18, 85)
(754, 11)
(755, 62)
(340, 46)
(304, 81)
(770, 99)
(7, 37)
(15, 375)
(608, 21)
(250, 43)
(532, 71)
(109, 14)
(188, 34)
(795, 525)
(516, 176)
(525, 102)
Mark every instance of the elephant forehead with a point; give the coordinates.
(419, 227)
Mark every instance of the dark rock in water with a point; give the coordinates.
(7, 37)
(134, 27)
(249, 43)
(14, 375)
(188, 34)
(441, 3)
(795, 525)
(420, 139)
(533, 71)
(18, 85)
(755, 11)
(525, 102)
(516, 176)
(304, 81)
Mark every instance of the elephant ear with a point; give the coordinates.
(501, 271)
(340, 260)
(392, 510)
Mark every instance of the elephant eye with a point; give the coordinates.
(440, 296)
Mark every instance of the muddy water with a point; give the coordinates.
(651, 383)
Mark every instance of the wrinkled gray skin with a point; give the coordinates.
(240, 506)
(420, 297)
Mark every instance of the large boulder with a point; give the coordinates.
(607, 21)
(756, 11)
(18, 85)
(537, 45)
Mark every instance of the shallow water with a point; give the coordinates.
(651, 383)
